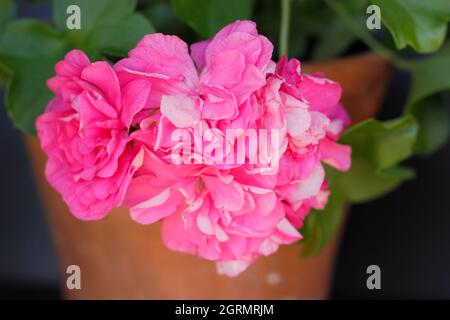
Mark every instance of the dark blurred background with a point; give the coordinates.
(406, 233)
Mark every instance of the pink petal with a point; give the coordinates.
(336, 155)
(232, 268)
(226, 70)
(198, 53)
(249, 46)
(182, 111)
(174, 235)
(227, 196)
(218, 103)
(134, 99)
(156, 208)
(265, 199)
(322, 94)
(309, 187)
(160, 58)
(103, 76)
(298, 120)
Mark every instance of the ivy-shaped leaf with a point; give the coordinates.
(106, 25)
(430, 77)
(28, 51)
(418, 23)
(207, 17)
(363, 183)
(433, 117)
(7, 12)
(382, 144)
(321, 225)
(338, 36)
(377, 149)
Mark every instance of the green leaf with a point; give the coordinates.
(28, 51)
(433, 117)
(93, 13)
(207, 17)
(363, 182)
(321, 225)
(28, 38)
(106, 25)
(334, 41)
(353, 13)
(26, 93)
(383, 144)
(225, 12)
(398, 173)
(194, 14)
(377, 149)
(430, 76)
(338, 34)
(119, 37)
(7, 12)
(162, 16)
(418, 23)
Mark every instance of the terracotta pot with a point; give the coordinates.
(121, 259)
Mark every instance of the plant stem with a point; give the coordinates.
(284, 27)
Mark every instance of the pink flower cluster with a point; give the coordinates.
(108, 133)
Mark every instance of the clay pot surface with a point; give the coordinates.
(121, 259)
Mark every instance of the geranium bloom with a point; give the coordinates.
(85, 133)
(228, 212)
(153, 133)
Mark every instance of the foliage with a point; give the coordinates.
(379, 148)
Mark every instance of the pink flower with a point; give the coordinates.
(85, 133)
(153, 134)
(227, 212)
